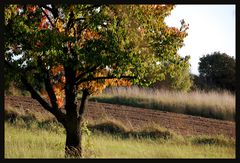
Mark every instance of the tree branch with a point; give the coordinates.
(48, 85)
(80, 29)
(53, 10)
(105, 77)
(84, 73)
(48, 17)
(56, 112)
(70, 22)
(83, 102)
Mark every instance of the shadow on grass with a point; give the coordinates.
(31, 122)
(218, 140)
(120, 131)
(110, 127)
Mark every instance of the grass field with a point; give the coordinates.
(31, 140)
(219, 105)
(29, 136)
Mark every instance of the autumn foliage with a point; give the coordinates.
(81, 49)
(94, 87)
(157, 12)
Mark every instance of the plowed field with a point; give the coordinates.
(137, 117)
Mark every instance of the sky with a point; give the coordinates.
(211, 28)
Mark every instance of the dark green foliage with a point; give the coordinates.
(217, 71)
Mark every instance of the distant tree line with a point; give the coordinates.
(216, 72)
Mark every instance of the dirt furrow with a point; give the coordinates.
(139, 117)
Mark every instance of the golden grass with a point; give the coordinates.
(219, 105)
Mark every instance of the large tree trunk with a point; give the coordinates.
(73, 146)
(73, 129)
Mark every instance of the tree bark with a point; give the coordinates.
(73, 148)
(83, 103)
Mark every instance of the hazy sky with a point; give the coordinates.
(211, 28)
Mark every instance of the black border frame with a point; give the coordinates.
(192, 2)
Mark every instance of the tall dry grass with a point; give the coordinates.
(219, 105)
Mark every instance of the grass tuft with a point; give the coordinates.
(152, 133)
(217, 140)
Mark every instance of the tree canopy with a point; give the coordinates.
(217, 71)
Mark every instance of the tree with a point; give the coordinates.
(181, 81)
(81, 49)
(217, 71)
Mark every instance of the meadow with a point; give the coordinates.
(33, 139)
(212, 104)
(38, 136)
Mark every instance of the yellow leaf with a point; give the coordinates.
(59, 25)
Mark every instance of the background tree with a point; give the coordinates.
(217, 71)
(181, 81)
(81, 49)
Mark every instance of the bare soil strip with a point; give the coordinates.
(138, 117)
